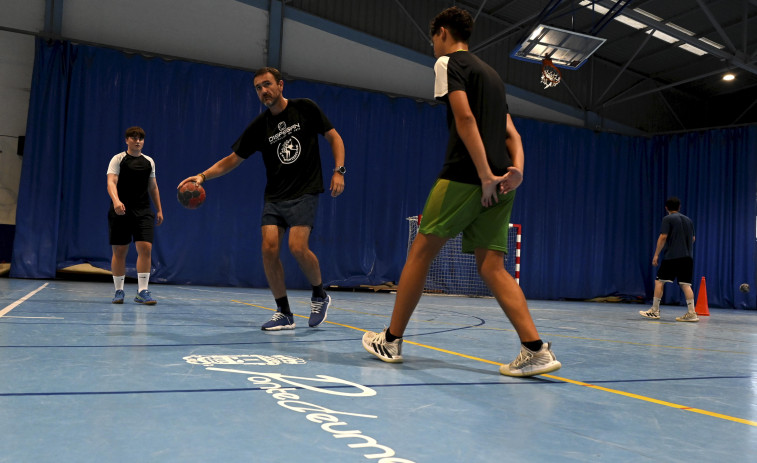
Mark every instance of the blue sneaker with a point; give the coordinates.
(319, 306)
(279, 321)
(144, 297)
(119, 297)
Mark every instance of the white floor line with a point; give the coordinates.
(45, 318)
(21, 301)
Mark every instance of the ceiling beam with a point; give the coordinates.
(512, 28)
(672, 111)
(717, 26)
(625, 66)
(424, 34)
(479, 10)
(664, 87)
(744, 112)
(53, 17)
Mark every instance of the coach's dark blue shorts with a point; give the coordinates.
(681, 269)
(291, 213)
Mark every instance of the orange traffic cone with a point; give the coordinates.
(701, 307)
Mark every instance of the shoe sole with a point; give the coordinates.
(279, 328)
(144, 302)
(317, 324)
(369, 349)
(548, 369)
(687, 321)
(120, 301)
(649, 317)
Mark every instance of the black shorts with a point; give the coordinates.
(681, 269)
(291, 213)
(137, 226)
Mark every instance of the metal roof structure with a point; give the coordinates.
(660, 68)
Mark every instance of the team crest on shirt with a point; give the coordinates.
(289, 147)
(289, 150)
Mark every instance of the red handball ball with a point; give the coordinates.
(191, 195)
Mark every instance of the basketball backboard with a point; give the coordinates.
(566, 49)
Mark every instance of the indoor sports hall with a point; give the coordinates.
(619, 104)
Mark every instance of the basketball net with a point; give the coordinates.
(550, 75)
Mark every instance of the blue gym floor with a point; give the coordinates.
(194, 379)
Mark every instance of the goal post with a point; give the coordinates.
(453, 272)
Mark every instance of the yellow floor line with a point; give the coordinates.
(556, 378)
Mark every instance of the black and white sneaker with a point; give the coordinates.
(376, 344)
(688, 317)
(530, 363)
(651, 313)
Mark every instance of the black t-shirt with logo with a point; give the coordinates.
(289, 144)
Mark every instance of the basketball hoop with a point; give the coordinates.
(550, 75)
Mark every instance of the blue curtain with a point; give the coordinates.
(84, 99)
(590, 206)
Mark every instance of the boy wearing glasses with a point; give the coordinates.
(131, 185)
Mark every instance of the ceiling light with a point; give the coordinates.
(729, 77)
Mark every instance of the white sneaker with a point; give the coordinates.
(530, 363)
(688, 317)
(376, 344)
(651, 313)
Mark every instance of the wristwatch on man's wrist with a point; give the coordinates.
(341, 170)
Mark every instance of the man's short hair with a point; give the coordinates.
(135, 132)
(274, 72)
(457, 21)
(673, 204)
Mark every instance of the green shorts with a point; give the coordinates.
(454, 207)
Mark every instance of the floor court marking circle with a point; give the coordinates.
(556, 378)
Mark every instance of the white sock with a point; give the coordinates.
(690, 306)
(656, 304)
(142, 280)
(118, 282)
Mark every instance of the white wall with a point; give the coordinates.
(226, 32)
(354, 60)
(16, 62)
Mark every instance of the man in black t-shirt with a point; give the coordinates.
(131, 185)
(287, 136)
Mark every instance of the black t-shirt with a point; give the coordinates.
(289, 144)
(680, 231)
(463, 70)
(134, 174)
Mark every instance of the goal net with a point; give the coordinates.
(453, 272)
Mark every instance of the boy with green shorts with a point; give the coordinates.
(473, 195)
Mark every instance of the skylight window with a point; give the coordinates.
(599, 9)
(695, 50)
(711, 43)
(664, 37)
